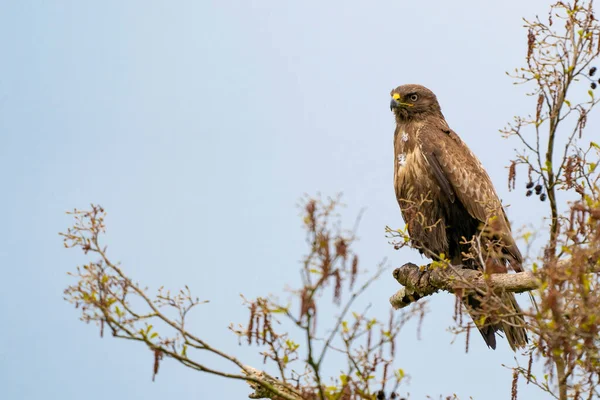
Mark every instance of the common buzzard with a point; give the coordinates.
(450, 206)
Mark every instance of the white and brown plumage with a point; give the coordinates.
(447, 198)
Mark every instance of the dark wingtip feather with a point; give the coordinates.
(513, 327)
(489, 336)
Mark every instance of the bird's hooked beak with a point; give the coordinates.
(394, 103)
(397, 103)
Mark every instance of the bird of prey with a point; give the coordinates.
(450, 206)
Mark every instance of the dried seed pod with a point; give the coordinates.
(528, 193)
(593, 85)
(529, 185)
(538, 189)
(543, 197)
(592, 71)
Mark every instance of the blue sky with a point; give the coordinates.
(198, 125)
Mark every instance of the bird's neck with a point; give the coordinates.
(406, 118)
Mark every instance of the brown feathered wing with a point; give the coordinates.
(462, 178)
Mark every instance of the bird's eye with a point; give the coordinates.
(414, 97)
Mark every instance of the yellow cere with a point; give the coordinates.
(395, 96)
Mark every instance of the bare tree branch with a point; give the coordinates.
(261, 392)
(420, 282)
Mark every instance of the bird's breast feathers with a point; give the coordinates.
(411, 175)
(409, 159)
(410, 163)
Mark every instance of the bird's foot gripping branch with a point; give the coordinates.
(422, 281)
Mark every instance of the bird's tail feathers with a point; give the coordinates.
(509, 320)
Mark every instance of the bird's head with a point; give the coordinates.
(413, 102)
